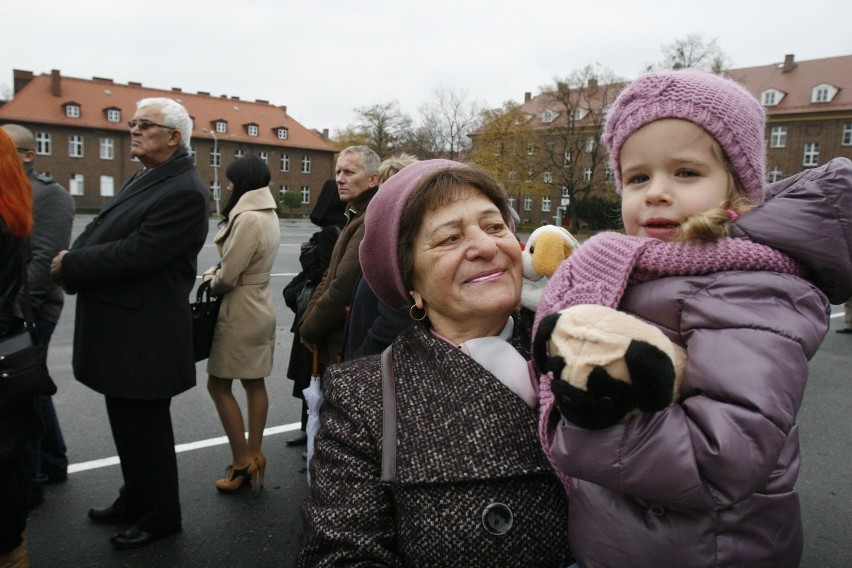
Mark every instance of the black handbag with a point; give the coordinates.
(205, 312)
(23, 368)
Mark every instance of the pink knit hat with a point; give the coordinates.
(380, 246)
(722, 107)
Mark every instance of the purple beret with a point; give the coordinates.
(379, 252)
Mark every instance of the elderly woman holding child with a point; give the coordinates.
(428, 454)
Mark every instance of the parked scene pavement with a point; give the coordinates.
(264, 529)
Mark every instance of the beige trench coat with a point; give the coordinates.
(244, 339)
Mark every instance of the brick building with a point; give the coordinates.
(809, 122)
(83, 141)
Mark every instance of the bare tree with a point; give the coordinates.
(383, 127)
(574, 159)
(348, 136)
(446, 120)
(693, 52)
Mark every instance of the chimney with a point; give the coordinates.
(177, 90)
(325, 133)
(593, 85)
(261, 101)
(205, 93)
(55, 83)
(789, 63)
(527, 97)
(21, 78)
(102, 79)
(235, 98)
(134, 84)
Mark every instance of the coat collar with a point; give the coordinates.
(177, 164)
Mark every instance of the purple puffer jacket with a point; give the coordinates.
(709, 481)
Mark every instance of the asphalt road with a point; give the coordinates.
(264, 529)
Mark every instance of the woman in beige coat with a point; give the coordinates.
(245, 332)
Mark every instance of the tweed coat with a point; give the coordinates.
(244, 339)
(464, 442)
(133, 268)
(324, 320)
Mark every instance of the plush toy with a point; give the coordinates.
(546, 248)
(606, 365)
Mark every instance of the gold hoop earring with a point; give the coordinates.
(411, 313)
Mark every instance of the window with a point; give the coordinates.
(846, 140)
(513, 176)
(580, 113)
(113, 115)
(239, 153)
(284, 189)
(587, 174)
(306, 195)
(43, 145)
(72, 111)
(548, 177)
(771, 97)
(530, 149)
(193, 153)
(548, 116)
(221, 126)
(778, 137)
(75, 184)
(75, 146)
(512, 203)
(527, 203)
(774, 175)
(107, 149)
(107, 186)
(306, 165)
(590, 144)
(285, 162)
(567, 158)
(609, 174)
(282, 134)
(253, 130)
(565, 192)
(545, 204)
(811, 154)
(264, 156)
(215, 157)
(823, 93)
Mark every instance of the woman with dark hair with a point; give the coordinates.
(244, 339)
(15, 226)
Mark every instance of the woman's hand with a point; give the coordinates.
(206, 277)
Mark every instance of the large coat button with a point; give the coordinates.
(497, 518)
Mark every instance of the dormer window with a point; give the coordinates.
(113, 115)
(221, 126)
(580, 113)
(771, 97)
(548, 116)
(281, 133)
(252, 129)
(72, 110)
(823, 93)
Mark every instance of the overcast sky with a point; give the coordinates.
(324, 58)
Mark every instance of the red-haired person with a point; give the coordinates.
(16, 224)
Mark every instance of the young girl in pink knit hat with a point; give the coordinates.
(739, 274)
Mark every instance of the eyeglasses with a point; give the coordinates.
(24, 150)
(146, 124)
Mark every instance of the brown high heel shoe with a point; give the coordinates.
(236, 478)
(258, 469)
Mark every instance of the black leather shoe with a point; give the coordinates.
(841, 330)
(135, 538)
(109, 515)
(301, 440)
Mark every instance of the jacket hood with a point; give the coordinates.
(809, 217)
(329, 209)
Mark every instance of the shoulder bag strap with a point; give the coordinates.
(26, 302)
(388, 417)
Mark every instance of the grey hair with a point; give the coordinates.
(370, 161)
(174, 116)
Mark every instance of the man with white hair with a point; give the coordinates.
(132, 269)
